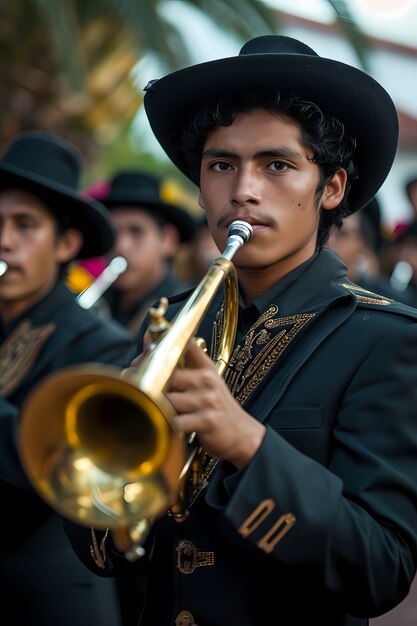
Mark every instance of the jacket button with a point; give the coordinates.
(184, 618)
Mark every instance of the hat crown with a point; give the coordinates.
(276, 44)
(139, 190)
(46, 156)
(131, 182)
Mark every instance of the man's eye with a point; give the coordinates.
(26, 224)
(277, 166)
(137, 231)
(221, 166)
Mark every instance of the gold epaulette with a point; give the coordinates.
(367, 297)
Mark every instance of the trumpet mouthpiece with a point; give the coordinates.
(239, 234)
(241, 229)
(3, 267)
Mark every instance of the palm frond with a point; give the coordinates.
(352, 32)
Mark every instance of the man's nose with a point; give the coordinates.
(123, 243)
(7, 236)
(247, 187)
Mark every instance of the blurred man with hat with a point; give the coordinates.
(358, 241)
(306, 510)
(149, 231)
(45, 223)
(403, 258)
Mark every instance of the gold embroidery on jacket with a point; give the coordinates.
(19, 352)
(247, 367)
(369, 298)
(246, 371)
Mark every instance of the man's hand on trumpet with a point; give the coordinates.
(205, 405)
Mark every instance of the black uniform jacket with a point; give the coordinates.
(321, 526)
(133, 317)
(39, 578)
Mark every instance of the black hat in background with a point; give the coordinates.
(142, 190)
(50, 168)
(283, 63)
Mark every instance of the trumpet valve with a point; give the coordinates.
(158, 324)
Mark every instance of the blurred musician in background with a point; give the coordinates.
(149, 231)
(45, 224)
(403, 259)
(358, 241)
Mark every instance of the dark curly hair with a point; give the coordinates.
(323, 134)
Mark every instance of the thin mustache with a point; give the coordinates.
(225, 220)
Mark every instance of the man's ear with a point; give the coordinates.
(201, 201)
(334, 190)
(68, 245)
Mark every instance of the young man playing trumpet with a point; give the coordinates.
(307, 510)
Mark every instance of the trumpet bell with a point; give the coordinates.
(106, 454)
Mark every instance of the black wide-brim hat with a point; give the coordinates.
(50, 168)
(283, 63)
(133, 188)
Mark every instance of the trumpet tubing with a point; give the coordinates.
(106, 453)
(88, 298)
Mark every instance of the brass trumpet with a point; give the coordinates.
(101, 449)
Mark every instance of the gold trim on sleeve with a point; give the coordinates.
(98, 551)
(276, 532)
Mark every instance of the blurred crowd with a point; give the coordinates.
(379, 259)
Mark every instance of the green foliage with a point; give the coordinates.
(73, 73)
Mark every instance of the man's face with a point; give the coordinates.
(145, 245)
(258, 170)
(30, 246)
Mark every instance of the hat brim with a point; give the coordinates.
(340, 90)
(173, 214)
(88, 216)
